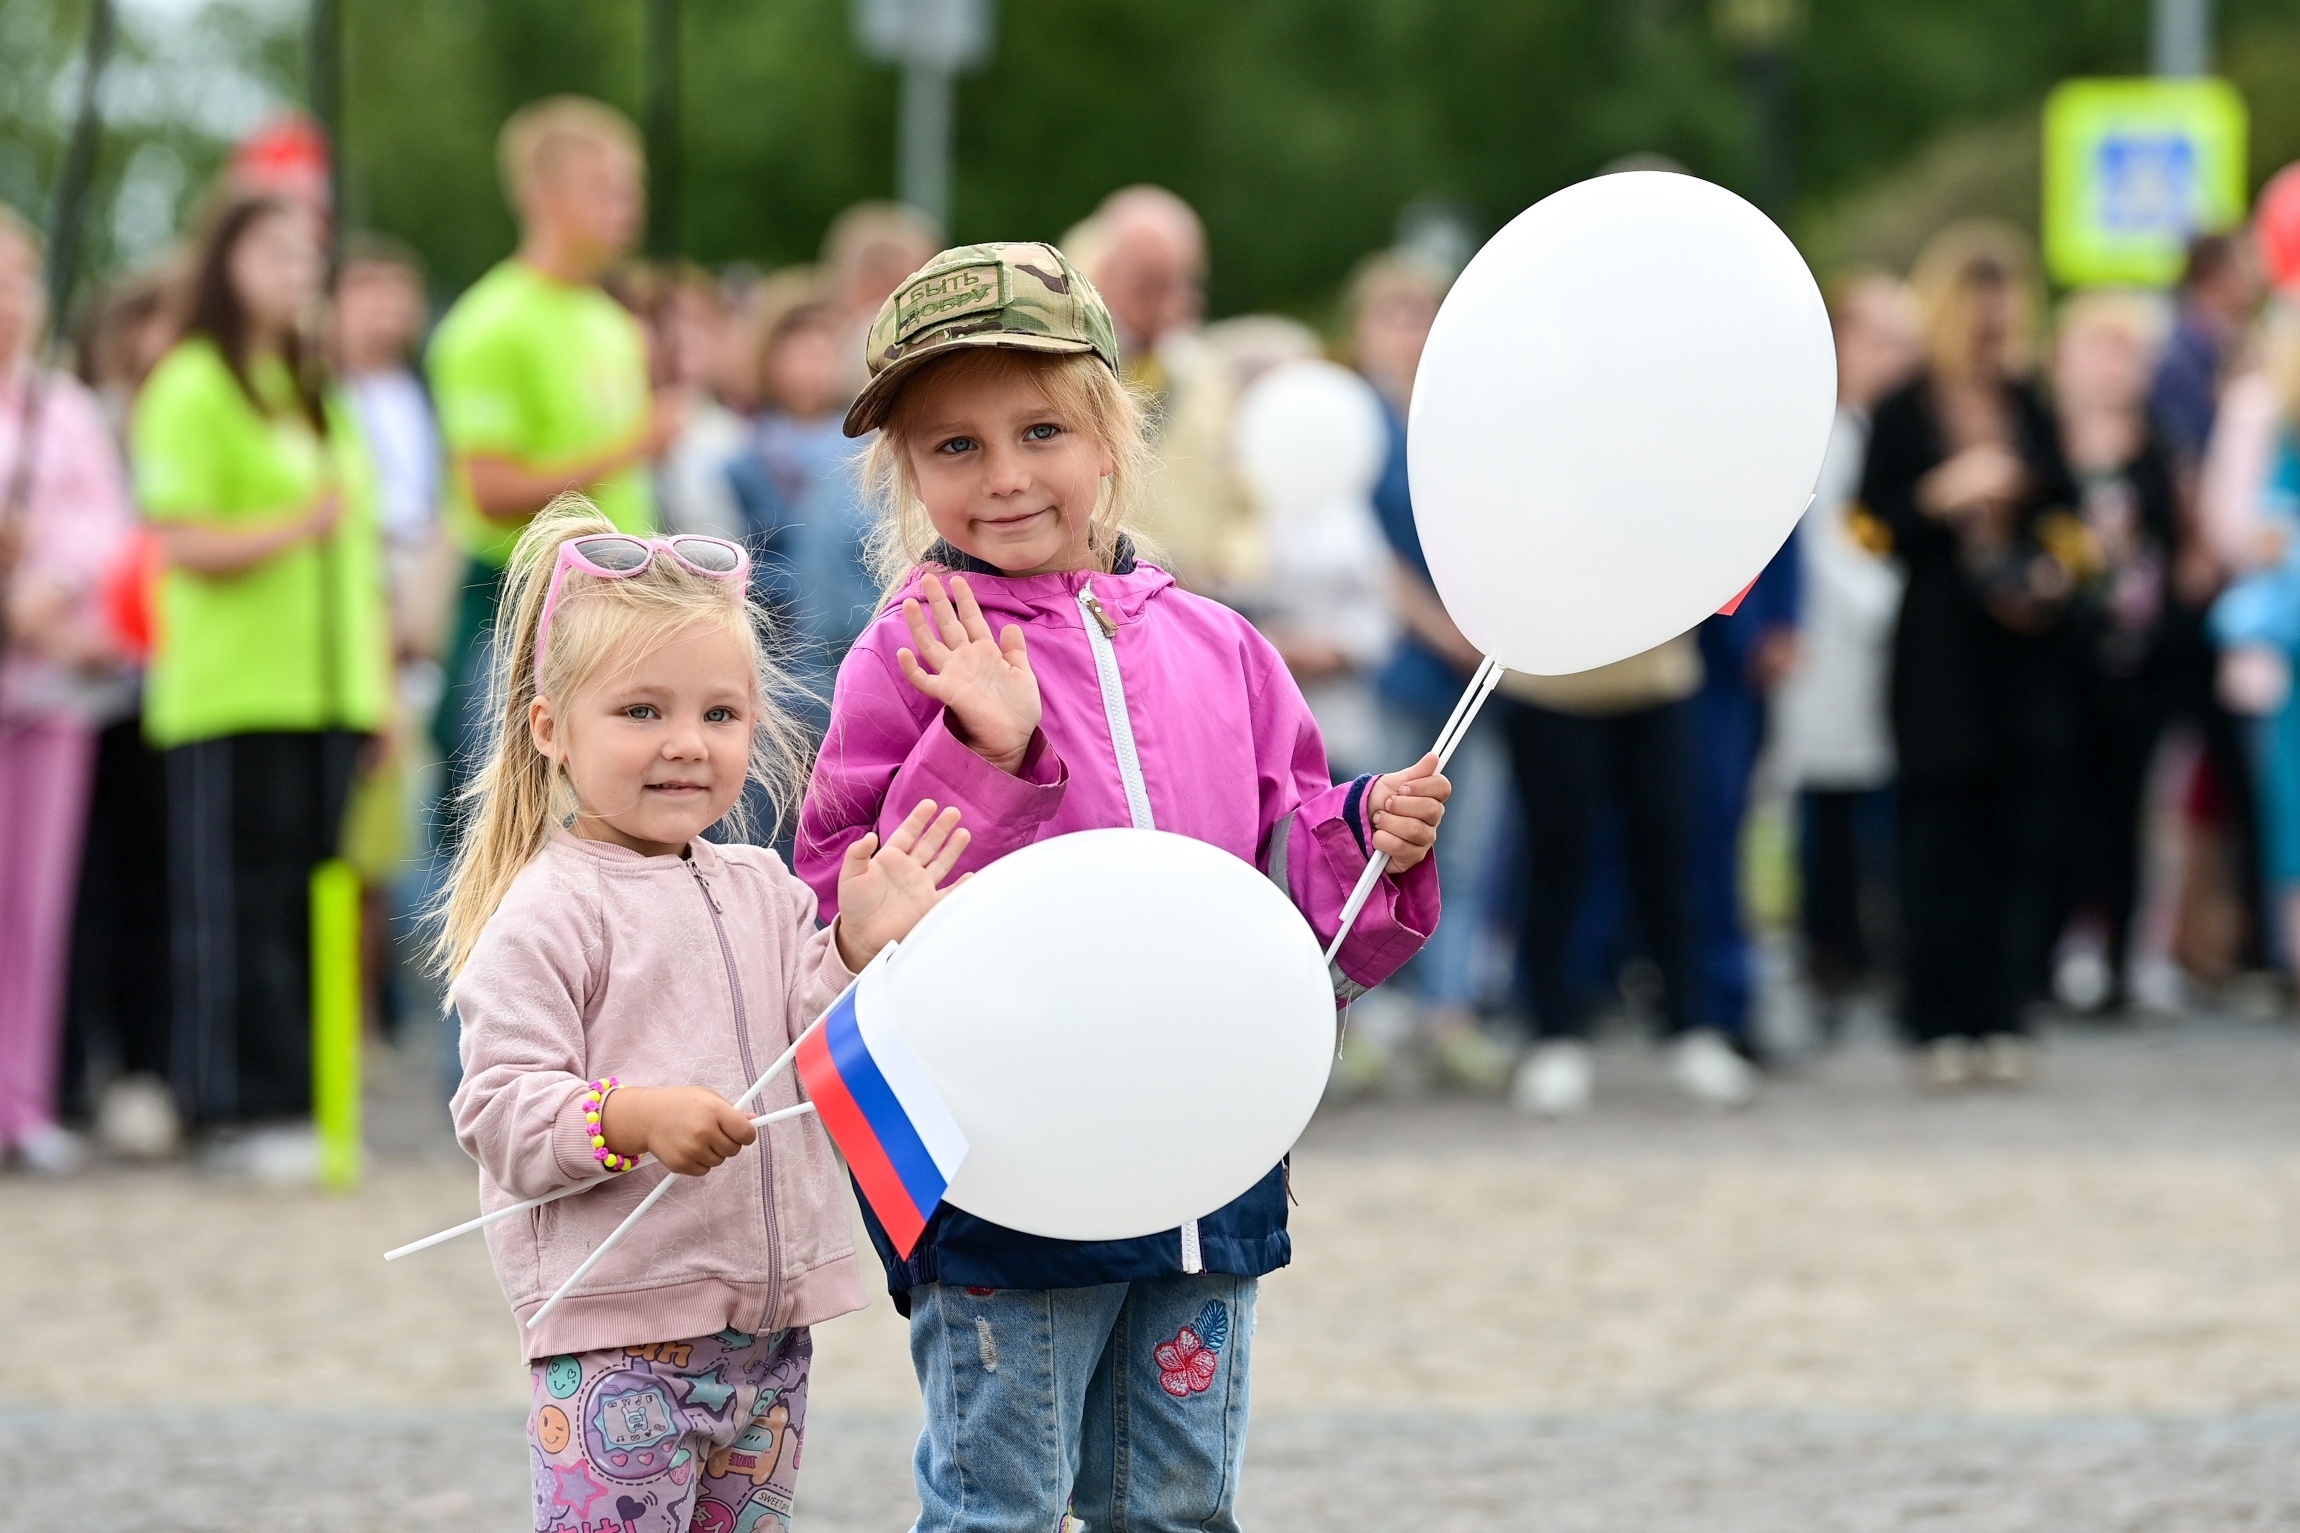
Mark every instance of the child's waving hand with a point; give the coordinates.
(984, 682)
(1404, 809)
(884, 890)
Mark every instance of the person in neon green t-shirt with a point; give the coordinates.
(540, 378)
(271, 613)
(271, 659)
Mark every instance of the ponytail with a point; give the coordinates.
(513, 800)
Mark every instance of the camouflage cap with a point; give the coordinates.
(1017, 296)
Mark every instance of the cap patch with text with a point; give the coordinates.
(1016, 296)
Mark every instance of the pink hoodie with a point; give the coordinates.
(77, 523)
(1179, 717)
(661, 971)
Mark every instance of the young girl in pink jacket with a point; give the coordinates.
(1035, 672)
(620, 981)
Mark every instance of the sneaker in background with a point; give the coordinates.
(1465, 1056)
(2007, 1059)
(1945, 1064)
(52, 1150)
(1359, 1069)
(1375, 1027)
(278, 1155)
(1707, 1069)
(1554, 1078)
(136, 1119)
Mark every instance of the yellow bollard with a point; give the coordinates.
(335, 1022)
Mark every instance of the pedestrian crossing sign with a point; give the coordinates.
(2135, 169)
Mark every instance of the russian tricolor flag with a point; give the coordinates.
(884, 1114)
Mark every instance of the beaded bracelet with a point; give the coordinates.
(594, 1111)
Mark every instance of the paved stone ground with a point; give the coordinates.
(1850, 1308)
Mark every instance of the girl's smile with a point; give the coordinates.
(657, 749)
(1004, 477)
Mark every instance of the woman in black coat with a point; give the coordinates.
(2137, 635)
(1966, 475)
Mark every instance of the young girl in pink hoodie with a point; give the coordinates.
(620, 980)
(1036, 673)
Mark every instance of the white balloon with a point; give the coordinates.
(1619, 418)
(1309, 435)
(1131, 1028)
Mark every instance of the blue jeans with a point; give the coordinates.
(1123, 1404)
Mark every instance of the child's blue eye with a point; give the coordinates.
(1044, 431)
(719, 716)
(640, 711)
(957, 445)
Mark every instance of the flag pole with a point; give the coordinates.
(766, 1077)
(633, 1217)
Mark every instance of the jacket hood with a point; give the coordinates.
(1037, 598)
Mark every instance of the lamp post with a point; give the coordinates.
(67, 218)
(934, 41)
(2180, 38)
(324, 87)
(659, 113)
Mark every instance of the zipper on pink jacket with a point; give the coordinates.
(750, 1073)
(1101, 628)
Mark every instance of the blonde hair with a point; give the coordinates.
(1079, 388)
(1386, 269)
(1948, 276)
(864, 230)
(518, 794)
(2140, 316)
(536, 135)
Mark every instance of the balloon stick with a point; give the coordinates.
(782, 1063)
(1481, 684)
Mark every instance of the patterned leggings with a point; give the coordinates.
(673, 1436)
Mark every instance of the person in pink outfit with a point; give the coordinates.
(620, 980)
(64, 526)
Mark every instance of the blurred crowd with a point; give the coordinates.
(2008, 724)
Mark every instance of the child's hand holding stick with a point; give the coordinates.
(1404, 809)
(1409, 828)
(883, 891)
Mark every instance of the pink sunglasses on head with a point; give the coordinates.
(619, 556)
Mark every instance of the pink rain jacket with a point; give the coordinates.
(1161, 709)
(1182, 719)
(660, 971)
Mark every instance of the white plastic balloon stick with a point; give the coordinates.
(1481, 684)
(766, 1078)
(633, 1217)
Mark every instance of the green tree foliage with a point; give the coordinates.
(184, 82)
(1299, 127)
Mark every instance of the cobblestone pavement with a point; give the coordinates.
(1850, 1307)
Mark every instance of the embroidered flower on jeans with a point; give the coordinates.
(1186, 1364)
